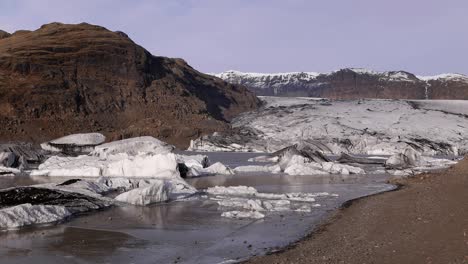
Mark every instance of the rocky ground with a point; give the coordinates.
(426, 221)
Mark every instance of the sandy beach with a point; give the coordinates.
(425, 221)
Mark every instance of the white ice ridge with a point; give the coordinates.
(249, 200)
(132, 147)
(28, 214)
(370, 127)
(83, 142)
(82, 139)
(243, 215)
(142, 165)
(157, 192)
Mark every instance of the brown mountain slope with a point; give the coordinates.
(63, 79)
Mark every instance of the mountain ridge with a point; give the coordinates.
(70, 78)
(353, 83)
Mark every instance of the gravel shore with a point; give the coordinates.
(425, 221)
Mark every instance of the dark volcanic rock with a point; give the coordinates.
(74, 202)
(4, 34)
(63, 79)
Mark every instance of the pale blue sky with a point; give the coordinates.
(420, 36)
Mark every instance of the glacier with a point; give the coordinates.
(367, 126)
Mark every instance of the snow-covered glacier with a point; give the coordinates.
(367, 126)
(352, 83)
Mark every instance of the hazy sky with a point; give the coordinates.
(420, 36)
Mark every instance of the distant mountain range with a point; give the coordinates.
(353, 83)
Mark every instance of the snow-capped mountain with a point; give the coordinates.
(353, 83)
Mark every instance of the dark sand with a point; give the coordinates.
(426, 221)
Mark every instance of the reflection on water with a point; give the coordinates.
(90, 243)
(185, 232)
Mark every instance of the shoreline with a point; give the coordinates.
(346, 234)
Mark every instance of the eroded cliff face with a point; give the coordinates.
(63, 79)
(353, 84)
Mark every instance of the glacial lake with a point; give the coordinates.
(185, 231)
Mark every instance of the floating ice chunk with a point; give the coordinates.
(132, 147)
(243, 215)
(264, 159)
(118, 183)
(276, 205)
(336, 168)
(8, 171)
(248, 198)
(301, 197)
(157, 192)
(193, 160)
(75, 143)
(81, 166)
(28, 214)
(81, 186)
(232, 190)
(253, 168)
(217, 168)
(302, 169)
(247, 204)
(304, 209)
(299, 165)
(153, 166)
(143, 165)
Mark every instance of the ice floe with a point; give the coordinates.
(216, 168)
(247, 201)
(75, 143)
(140, 165)
(132, 147)
(28, 214)
(154, 193)
(243, 215)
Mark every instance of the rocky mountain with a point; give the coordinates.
(63, 79)
(352, 84)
